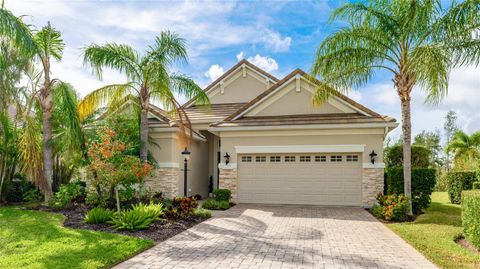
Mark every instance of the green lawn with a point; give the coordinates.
(433, 232)
(33, 239)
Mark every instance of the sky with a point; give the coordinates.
(278, 36)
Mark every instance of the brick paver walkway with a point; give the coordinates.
(261, 236)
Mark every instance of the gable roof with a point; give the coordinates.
(287, 78)
(229, 72)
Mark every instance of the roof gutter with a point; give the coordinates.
(304, 127)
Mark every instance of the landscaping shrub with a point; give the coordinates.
(131, 220)
(16, 191)
(180, 207)
(222, 194)
(153, 211)
(69, 195)
(457, 182)
(471, 216)
(32, 195)
(213, 204)
(423, 182)
(420, 156)
(476, 185)
(99, 215)
(391, 207)
(202, 213)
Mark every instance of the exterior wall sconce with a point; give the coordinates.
(372, 156)
(227, 158)
(186, 157)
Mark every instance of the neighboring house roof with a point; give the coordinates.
(230, 72)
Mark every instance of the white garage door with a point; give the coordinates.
(316, 179)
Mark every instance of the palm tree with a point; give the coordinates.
(417, 42)
(17, 31)
(148, 77)
(466, 149)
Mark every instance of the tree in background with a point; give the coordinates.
(450, 127)
(417, 42)
(431, 141)
(466, 150)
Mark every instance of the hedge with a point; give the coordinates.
(423, 182)
(471, 216)
(420, 156)
(457, 182)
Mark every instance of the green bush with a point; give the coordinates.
(222, 194)
(153, 211)
(442, 182)
(423, 182)
(32, 195)
(213, 204)
(391, 207)
(457, 182)
(18, 189)
(471, 216)
(132, 220)
(98, 215)
(476, 185)
(202, 213)
(69, 195)
(420, 156)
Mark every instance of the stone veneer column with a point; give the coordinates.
(372, 184)
(228, 180)
(165, 181)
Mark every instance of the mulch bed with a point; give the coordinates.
(158, 231)
(465, 244)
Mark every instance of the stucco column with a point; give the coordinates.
(372, 183)
(165, 180)
(228, 178)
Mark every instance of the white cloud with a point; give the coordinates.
(214, 72)
(276, 42)
(240, 56)
(355, 95)
(264, 62)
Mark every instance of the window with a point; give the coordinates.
(321, 159)
(274, 159)
(260, 159)
(352, 158)
(304, 158)
(289, 159)
(335, 158)
(246, 159)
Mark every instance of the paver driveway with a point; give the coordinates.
(261, 236)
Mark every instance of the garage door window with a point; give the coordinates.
(321, 159)
(246, 159)
(289, 159)
(304, 158)
(260, 159)
(352, 158)
(335, 158)
(275, 159)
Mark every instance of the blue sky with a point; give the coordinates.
(278, 36)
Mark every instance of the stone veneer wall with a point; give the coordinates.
(165, 181)
(372, 184)
(228, 180)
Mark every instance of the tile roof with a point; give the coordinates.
(212, 113)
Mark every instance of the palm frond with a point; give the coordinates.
(186, 87)
(16, 30)
(169, 47)
(66, 106)
(49, 42)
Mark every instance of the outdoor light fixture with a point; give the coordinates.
(186, 157)
(227, 158)
(372, 156)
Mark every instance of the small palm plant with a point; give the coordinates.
(466, 150)
(149, 79)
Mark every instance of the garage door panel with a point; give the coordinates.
(309, 182)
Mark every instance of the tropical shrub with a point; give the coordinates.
(391, 207)
(202, 213)
(471, 216)
(420, 156)
(222, 194)
(69, 195)
(15, 191)
(131, 220)
(153, 211)
(99, 215)
(184, 205)
(213, 204)
(457, 182)
(33, 195)
(423, 182)
(476, 185)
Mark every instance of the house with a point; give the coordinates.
(282, 148)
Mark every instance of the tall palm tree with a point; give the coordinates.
(417, 42)
(466, 149)
(149, 79)
(17, 31)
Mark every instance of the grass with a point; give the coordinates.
(433, 234)
(34, 239)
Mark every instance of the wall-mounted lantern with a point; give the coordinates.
(372, 156)
(227, 158)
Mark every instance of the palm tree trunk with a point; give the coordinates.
(407, 149)
(144, 103)
(47, 148)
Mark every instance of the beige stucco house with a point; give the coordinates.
(283, 149)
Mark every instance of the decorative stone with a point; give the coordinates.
(228, 180)
(372, 184)
(164, 181)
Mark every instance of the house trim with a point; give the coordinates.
(299, 149)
